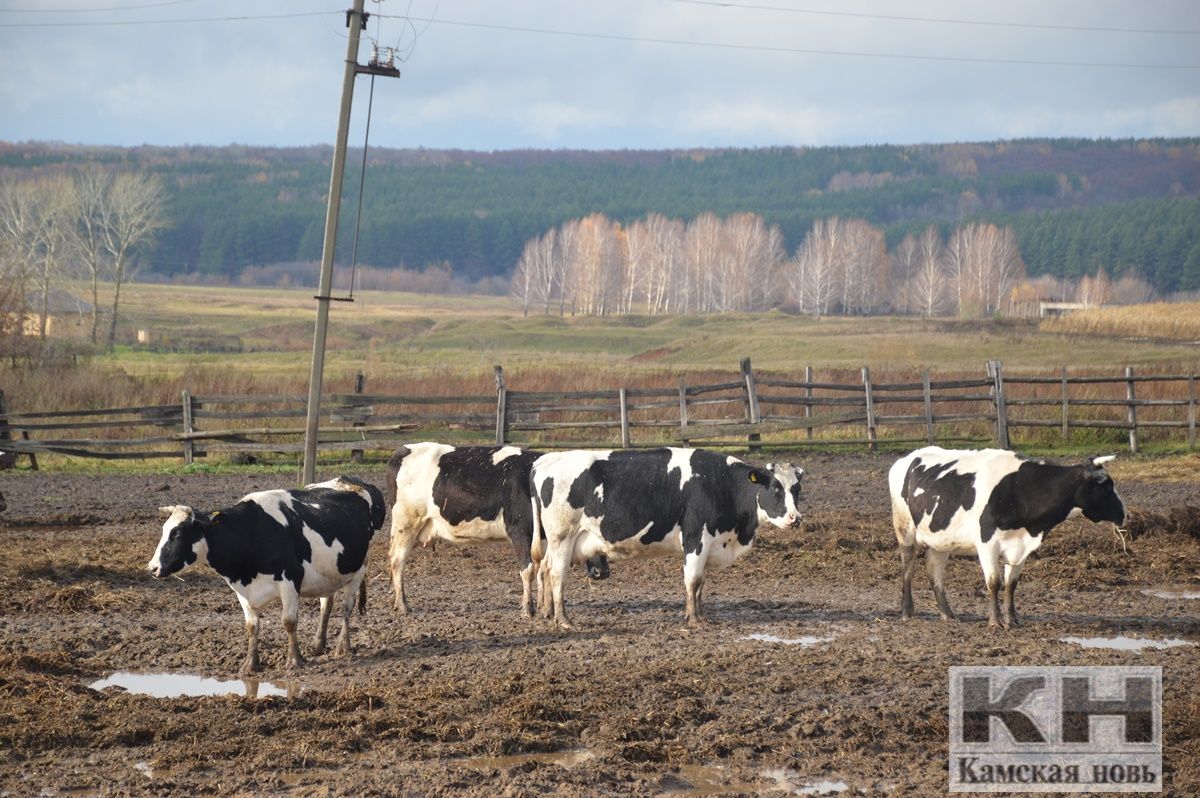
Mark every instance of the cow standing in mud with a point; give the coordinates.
(463, 494)
(645, 503)
(992, 503)
(281, 545)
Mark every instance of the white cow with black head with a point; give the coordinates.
(992, 503)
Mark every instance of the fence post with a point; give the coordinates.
(751, 402)
(928, 396)
(360, 381)
(1066, 418)
(683, 411)
(501, 407)
(189, 445)
(1131, 413)
(808, 395)
(870, 402)
(995, 371)
(1191, 411)
(622, 394)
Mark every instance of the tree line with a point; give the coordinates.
(90, 223)
(1075, 206)
(656, 265)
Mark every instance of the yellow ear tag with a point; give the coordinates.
(754, 476)
(214, 517)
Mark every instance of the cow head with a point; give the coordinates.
(1096, 495)
(182, 543)
(597, 567)
(778, 493)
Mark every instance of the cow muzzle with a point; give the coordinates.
(792, 521)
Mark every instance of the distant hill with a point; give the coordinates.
(1076, 204)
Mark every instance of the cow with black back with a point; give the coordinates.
(463, 494)
(992, 503)
(281, 545)
(654, 502)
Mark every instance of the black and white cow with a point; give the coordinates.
(464, 494)
(279, 545)
(653, 502)
(991, 503)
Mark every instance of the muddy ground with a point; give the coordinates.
(464, 697)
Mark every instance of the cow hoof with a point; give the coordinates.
(994, 624)
(906, 615)
(318, 647)
(565, 625)
(341, 651)
(949, 616)
(1014, 621)
(295, 662)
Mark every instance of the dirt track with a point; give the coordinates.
(464, 697)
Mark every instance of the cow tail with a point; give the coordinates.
(535, 543)
(389, 489)
(362, 597)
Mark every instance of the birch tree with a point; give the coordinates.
(134, 212)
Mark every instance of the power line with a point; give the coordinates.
(796, 50)
(115, 23)
(89, 10)
(940, 20)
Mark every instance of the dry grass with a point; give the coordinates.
(1173, 321)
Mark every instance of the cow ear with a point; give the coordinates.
(214, 517)
(771, 467)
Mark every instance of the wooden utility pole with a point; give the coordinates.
(356, 21)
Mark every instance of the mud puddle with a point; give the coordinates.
(181, 685)
(566, 759)
(1173, 592)
(804, 641)
(1125, 643)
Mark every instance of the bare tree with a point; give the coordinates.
(665, 263)
(20, 232)
(133, 214)
(927, 283)
(1094, 290)
(904, 270)
(814, 273)
(92, 184)
(862, 257)
(985, 263)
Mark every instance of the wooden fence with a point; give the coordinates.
(752, 410)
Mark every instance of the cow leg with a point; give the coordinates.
(342, 648)
(559, 560)
(527, 590)
(993, 576)
(291, 613)
(320, 639)
(251, 663)
(907, 559)
(693, 586)
(935, 562)
(545, 599)
(404, 537)
(521, 535)
(1012, 574)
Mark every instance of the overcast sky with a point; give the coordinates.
(493, 74)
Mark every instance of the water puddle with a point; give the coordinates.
(179, 685)
(792, 782)
(566, 759)
(697, 780)
(803, 640)
(1124, 643)
(1173, 592)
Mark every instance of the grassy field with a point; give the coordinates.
(393, 336)
(410, 344)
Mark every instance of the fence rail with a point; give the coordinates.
(754, 411)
